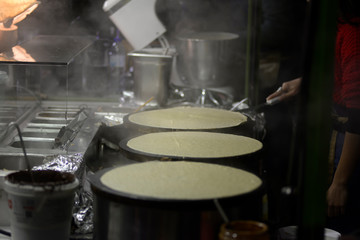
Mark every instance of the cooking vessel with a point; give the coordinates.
(118, 215)
(250, 162)
(245, 128)
(152, 69)
(207, 59)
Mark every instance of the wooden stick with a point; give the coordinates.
(144, 104)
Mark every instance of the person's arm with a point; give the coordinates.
(337, 193)
(288, 90)
(348, 60)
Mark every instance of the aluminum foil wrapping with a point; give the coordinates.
(83, 202)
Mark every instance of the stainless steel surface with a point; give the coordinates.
(57, 115)
(116, 221)
(51, 121)
(7, 119)
(42, 139)
(16, 161)
(41, 124)
(46, 125)
(40, 133)
(207, 59)
(152, 69)
(38, 143)
(14, 111)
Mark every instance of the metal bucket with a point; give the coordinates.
(152, 69)
(207, 59)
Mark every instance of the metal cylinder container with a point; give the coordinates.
(152, 69)
(207, 59)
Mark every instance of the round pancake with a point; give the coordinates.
(180, 180)
(188, 118)
(190, 144)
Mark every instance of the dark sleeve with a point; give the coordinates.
(353, 123)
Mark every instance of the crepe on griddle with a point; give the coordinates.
(188, 118)
(190, 144)
(180, 180)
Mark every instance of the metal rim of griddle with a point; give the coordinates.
(243, 128)
(248, 162)
(103, 191)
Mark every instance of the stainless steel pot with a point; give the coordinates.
(152, 69)
(122, 216)
(207, 59)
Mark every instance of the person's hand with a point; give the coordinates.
(287, 90)
(336, 199)
(337, 193)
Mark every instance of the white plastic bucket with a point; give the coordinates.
(290, 233)
(41, 205)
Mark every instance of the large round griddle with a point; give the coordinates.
(249, 161)
(104, 192)
(243, 128)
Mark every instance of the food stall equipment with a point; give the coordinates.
(102, 143)
(207, 66)
(152, 70)
(206, 59)
(120, 214)
(210, 62)
(59, 110)
(56, 128)
(136, 19)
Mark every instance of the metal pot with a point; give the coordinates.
(119, 215)
(207, 59)
(152, 69)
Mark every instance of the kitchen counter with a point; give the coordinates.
(46, 135)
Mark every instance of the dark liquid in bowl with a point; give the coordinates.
(40, 178)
